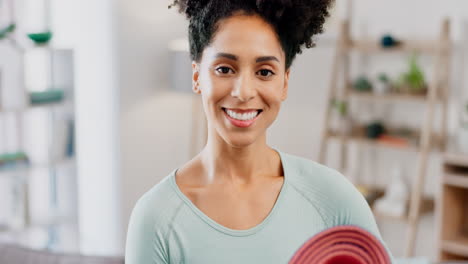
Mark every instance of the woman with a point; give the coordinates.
(239, 200)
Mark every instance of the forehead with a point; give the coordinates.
(246, 37)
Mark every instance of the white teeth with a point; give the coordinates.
(244, 117)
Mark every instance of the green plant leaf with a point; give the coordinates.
(414, 77)
(340, 106)
(8, 29)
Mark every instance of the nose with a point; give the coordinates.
(244, 88)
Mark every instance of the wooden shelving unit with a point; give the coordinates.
(452, 208)
(422, 142)
(389, 97)
(412, 141)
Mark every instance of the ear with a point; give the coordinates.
(196, 77)
(284, 95)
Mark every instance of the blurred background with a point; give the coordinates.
(95, 97)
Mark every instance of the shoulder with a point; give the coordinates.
(159, 204)
(150, 222)
(334, 194)
(312, 175)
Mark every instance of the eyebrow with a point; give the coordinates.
(226, 55)
(266, 58)
(235, 58)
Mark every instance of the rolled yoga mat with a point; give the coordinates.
(342, 245)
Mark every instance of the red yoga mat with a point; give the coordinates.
(342, 245)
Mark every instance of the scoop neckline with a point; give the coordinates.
(224, 229)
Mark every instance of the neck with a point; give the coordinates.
(239, 165)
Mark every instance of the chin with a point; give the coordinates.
(239, 140)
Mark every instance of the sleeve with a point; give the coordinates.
(145, 241)
(354, 209)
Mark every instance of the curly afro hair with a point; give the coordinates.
(294, 21)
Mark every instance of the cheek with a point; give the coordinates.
(215, 89)
(272, 93)
(213, 94)
(209, 83)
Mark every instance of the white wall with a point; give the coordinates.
(88, 27)
(149, 133)
(154, 125)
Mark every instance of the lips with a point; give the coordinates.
(242, 123)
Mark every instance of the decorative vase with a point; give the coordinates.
(395, 200)
(381, 87)
(341, 125)
(346, 125)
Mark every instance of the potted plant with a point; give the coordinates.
(413, 80)
(41, 37)
(362, 84)
(383, 84)
(344, 122)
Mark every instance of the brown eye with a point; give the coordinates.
(223, 70)
(265, 73)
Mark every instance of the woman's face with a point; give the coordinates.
(242, 70)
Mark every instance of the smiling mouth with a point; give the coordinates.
(246, 116)
(258, 110)
(244, 120)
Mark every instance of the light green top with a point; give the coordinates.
(166, 227)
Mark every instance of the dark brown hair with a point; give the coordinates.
(294, 21)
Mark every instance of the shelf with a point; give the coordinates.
(455, 170)
(63, 238)
(373, 46)
(370, 96)
(457, 180)
(370, 193)
(53, 222)
(358, 136)
(30, 166)
(54, 163)
(457, 246)
(48, 106)
(16, 167)
(380, 215)
(456, 159)
(427, 204)
(55, 218)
